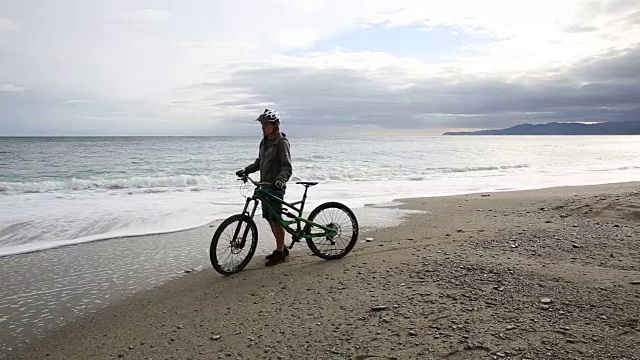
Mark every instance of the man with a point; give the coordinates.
(274, 164)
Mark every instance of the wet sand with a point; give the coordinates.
(543, 274)
(45, 290)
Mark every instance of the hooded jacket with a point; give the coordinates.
(274, 159)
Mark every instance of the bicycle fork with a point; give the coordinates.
(246, 229)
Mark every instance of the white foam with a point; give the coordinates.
(138, 182)
(208, 181)
(51, 220)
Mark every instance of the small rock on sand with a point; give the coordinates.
(545, 301)
(379, 308)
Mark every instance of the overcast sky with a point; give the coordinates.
(126, 67)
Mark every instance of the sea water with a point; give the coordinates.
(71, 190)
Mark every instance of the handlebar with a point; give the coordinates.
(246, 177)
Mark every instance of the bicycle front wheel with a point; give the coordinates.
(233, 244)
(338, 217)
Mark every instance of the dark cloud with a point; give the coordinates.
(615, 65)
(606, 88)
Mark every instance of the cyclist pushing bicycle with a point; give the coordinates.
(274, 164)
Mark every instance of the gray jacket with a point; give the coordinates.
(274, 160)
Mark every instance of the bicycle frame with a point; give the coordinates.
(297, 219)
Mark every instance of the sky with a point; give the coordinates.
(330, 67)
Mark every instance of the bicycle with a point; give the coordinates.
(321, 231)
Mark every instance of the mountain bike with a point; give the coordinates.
(330, 230)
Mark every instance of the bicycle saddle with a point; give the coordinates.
(307, 183)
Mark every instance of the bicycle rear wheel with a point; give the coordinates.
(338, 217)
(230, 255)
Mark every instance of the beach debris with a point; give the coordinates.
(180, 327)
(544, 307)
(485, 195)
(413, 333)
(369, 239)
(216, 337)
(634, 282)
(188, 271)
(545, 301)
(379, 308)
(576, 246)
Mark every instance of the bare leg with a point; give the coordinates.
(278, 233)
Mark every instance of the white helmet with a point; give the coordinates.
(270, 116)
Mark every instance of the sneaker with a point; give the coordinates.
(268, 257)
(277, 257)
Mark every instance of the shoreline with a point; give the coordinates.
(183, 316)
(49, 289)
(104, 237)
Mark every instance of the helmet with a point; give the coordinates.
(270, 116)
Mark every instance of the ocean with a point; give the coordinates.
(56, 191)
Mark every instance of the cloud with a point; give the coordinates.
(296, 37)
(141, 18)
(77, 101)
(8, 24)
(11, 88)
(207, 65)
(604, 87)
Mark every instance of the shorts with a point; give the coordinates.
(275, 206)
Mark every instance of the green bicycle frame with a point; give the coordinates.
(298, 232)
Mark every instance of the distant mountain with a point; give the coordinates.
(556, 128)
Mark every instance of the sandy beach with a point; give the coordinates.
(542, 274)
